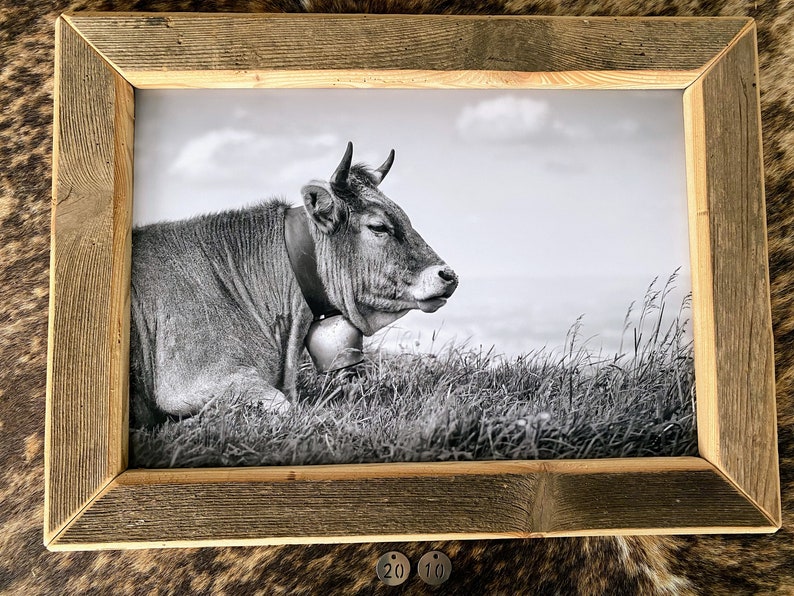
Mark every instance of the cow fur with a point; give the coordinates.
(227, 272)
(757, 564)
(216, 310)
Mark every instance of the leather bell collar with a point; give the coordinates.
(332, 341)
(303, 259)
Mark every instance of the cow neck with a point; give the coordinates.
(303, 259)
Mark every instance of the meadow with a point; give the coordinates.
(463, 403)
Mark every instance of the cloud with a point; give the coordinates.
(324, 141)
(300, 171)
(504, 119)
(227, 153)
(199, 157)
(565, 165)
(572, 132)
(626, 127)
(511, 119)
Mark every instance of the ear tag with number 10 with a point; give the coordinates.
(434, 567)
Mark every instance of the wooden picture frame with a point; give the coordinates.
(92, 501)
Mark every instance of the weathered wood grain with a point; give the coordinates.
(90, 503)
(121, 255)
(88, 336)
(170, 50)
(411, 501)
(735, 372)
(702, 276)
(413, 79)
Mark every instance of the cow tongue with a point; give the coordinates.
(431, 305)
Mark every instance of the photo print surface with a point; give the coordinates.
(516, 275)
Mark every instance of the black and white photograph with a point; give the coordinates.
(334, 276)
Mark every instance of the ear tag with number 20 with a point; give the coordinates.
(393, 568)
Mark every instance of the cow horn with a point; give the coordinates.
(381, 172)
(343, 169)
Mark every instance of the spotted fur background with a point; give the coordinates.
(646, 565)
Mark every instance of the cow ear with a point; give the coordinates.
(324, 208)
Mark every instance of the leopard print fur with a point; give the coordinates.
(640, 565)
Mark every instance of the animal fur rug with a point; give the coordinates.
(646, 565)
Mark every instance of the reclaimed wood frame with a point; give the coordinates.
(92, 501)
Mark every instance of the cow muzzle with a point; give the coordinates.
(436, 284)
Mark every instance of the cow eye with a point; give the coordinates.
(378, 229)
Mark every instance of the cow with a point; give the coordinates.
(217, 302)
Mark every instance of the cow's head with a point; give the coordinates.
(375, 266)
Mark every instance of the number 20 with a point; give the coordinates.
(399, 571)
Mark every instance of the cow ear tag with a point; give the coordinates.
(334, 343)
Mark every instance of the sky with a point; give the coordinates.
(552, 202)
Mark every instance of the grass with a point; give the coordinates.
(462, 404)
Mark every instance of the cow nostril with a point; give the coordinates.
(447, 274)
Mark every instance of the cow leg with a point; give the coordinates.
(248, 384)
(180, 396)
(294, 351)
